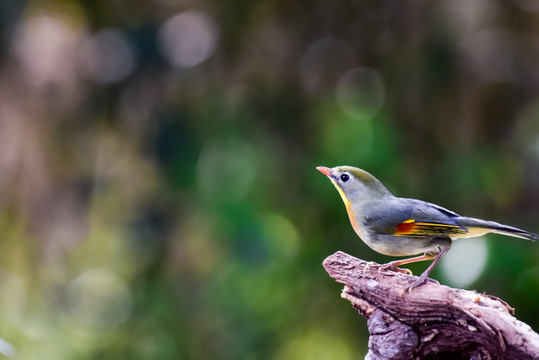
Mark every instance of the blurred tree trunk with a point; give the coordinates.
(431, 322)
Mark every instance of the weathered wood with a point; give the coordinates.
(432, 321)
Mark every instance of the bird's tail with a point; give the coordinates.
(478, 227)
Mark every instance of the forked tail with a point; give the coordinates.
(482, 227)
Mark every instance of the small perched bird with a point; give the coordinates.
(402, 227)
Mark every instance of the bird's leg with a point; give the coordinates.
(421, 280)
(394, 265)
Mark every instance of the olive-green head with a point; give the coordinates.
(354, 185)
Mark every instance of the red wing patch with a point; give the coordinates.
(419, 229)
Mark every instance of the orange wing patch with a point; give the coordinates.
(412, 228)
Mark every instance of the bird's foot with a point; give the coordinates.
(369, 265)
(420, 281)
(393, 266)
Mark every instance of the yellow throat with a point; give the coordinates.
(348, 205)
(343, 195)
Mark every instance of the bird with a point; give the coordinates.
(396, 226)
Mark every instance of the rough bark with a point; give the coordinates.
(432, 321)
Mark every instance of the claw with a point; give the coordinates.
(393, 267)
(407, 289)
(420, 281)
(369, 265)
(386, 267)
(404, 271)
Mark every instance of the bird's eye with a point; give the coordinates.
(345, 177)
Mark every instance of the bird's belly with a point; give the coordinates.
(400, 246)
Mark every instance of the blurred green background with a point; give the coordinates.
(158, 191)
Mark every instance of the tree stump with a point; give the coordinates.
(432, 321)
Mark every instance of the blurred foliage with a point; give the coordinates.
(158, 198)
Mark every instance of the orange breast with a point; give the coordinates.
(353, 221)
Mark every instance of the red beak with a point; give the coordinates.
(324, 170)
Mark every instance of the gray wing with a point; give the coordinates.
(411, 218)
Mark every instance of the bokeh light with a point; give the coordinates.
(98, 301)
(45, 44)
(360, 93)
(107, 56)
(188, 39)
(324, 62)
(282, 238)
(465, 262)
(226, 170)
(7, 349)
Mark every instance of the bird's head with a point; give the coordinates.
(354, 185)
